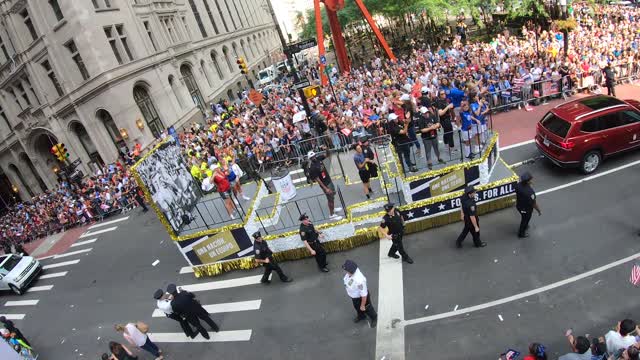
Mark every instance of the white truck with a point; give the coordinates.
(267, 76)
(18, 272)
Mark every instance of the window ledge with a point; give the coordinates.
(107, 9)
(60, 24)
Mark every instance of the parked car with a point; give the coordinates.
(584, 132)
(18, 272)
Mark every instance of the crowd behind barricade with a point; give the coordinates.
(110, 190)
(621, 343)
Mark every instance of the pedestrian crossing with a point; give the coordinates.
(204, 291)
(52, 270)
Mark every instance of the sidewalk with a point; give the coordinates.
(517, 126)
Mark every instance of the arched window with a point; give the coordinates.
(245, 53)
(21, 178)
(235, 49)
(225, 52)
(86, 142)
(192, 86)
(251, 47)
(230, 95)
(148, 110)
(206, 73)
(216, 64)
(105, 118)
(175, 90)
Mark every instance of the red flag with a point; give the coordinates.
(635, 275)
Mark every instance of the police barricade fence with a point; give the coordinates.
(530, 93)
(210, 212)
(285, 216)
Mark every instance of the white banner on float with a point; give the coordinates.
(285, 187)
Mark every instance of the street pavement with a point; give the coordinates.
(457, 303)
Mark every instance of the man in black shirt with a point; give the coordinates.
(318, 173)
(428, 127)
(185, 304)
(525, 203)
(394, 222)
(311, 238)
(610, 80)
(445, 112)
(401, 141)
(368, 154)
(468, 214)
(425, 100)
(264, 256)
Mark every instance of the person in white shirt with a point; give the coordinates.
(621, 337)
(356, 285)
(163, 303)
(137, 337)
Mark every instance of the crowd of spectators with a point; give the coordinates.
(109, 190)
(504, 72)
(621, 343)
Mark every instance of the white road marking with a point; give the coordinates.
(222, 336)
(155, 262)
(45, 257)
(591, 177)
(53, 275)
(92, 233)
(84, 242)
(389, 337)
(500, 317)
(223, 284)
(523, 294)
(72, 253)
(40, 288)
(64, 263)
(517, 145)
(13, 316)
(186, 270)
(455, 308)
(22, 303)
(108, 222)
(223, 308)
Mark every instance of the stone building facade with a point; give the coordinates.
(99, 75)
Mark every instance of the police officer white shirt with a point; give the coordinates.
(165, 306)
(356, 285)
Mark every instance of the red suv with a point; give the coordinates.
(581, 133)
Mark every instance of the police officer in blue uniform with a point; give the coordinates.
(468, 214)
(394, 221)
(264, 256)
(525, 203)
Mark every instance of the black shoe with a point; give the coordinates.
(413, 169)
(145, 210)
(441, 161)
(408, 260)
(357, 319)
(205, 335)
(471, 156)
(324, 269)
(216, 329)
(459, 245)
(482, 244)
(287, 280)
(368, 196)
(525, 235)
(395, 256)
(373, 323)
(370, 191)
(430, 166)
(265, 281)
(193, 336)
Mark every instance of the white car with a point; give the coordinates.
(18, 272)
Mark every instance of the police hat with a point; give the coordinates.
(172, 289)
(388, 206)
(303, 217)
(526, 176)
(469, 189)
(350, 266)
(158, 294)
(256, 235)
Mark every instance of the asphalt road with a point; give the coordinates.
(583, 227)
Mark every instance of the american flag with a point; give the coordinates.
(635, 275)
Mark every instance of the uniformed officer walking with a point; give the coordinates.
(310, 236)
(394, 222)
(469, 216)
(356, 285)
(185, 304)
(264, 256)
(164, 304)
(525, 203)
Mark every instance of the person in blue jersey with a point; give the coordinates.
(468, 127)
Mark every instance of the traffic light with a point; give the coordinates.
(60, 152)
(311, 91)
(242, 65)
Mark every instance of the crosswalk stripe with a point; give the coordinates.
(92, 233)
(186, 270)
(13, 316)
(22, 303)
(108, 222)
(84, 242)
(53, 275)
(223, 307)
(64, 263)
(222, 336)
(40, 288)
(224, 284)
(72, 253)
